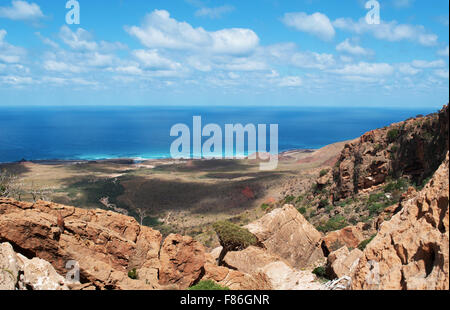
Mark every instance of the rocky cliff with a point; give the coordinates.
(414, 149)
(411, 251)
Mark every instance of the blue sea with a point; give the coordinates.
(91, 133)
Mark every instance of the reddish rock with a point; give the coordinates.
(182, 260)
(411, 251)
(350, 237)
(286, 233)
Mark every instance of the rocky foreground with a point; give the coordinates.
(411, 251)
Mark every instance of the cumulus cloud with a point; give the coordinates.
(366, 69)
(159, 30)
(216, 12)
(152, 60)
(347, 47)
(442, 73)
(389, 31)
(288, 54)
(21, 10)
(290, 81)
(317, 24)
(408, 69)
(8, 53)
(423, 64)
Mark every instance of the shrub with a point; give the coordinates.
(208, 285)
(132, 274)
(335, 223)
(323, 172)
(364, 243)
(300, 199)
(376, 197)
(323, 203)
(392, 135)
(233, 238)
(265, 206)
(320, 272)
(302, 210)
(289, 199)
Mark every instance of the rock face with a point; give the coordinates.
(414, 149)
(350, 237)
(106, 246)
(21, 273)
(287, 234)
(102, 242)
(182, 260)
(343, 262)
(411, 251)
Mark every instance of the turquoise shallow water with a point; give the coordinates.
(45, 133)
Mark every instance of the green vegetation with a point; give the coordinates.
(398, 185)
(392, 135)
(132, 274)
(335, 223)
(233, 238)
(208, 285)
(289, 199)
(364, 243)
(323, 172)
(321, 274)
(300, 199)
(302, 210)
(264, 206)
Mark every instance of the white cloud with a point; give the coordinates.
(443, 52)
(21, 10)
(9, 53)
(442, 73)
(78, 40)
(290, 81)
(59, 66)
(347, 47)
(366, 69)
(152, 60)
(288, 54)
(389, 31)
(317, 24)
(214, 12)
(428, 64)
(159, 30)
(408, 69)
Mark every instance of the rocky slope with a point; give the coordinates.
(412, 250)
(414, 149)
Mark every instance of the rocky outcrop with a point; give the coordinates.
(20, 273)
(414, 148)
(286, 233)
(182, 260)
(236, 280)
(103, 243)
(342, 262)
(411, 251)
(350, 237)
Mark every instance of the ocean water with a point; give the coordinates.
(73, 133)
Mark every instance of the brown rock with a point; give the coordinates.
(350, 237)
(411, 251)
(102, 242)
(287, 234)
(236, 280)
(343, 262)
(182, 260)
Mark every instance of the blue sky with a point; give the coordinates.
(210, 52)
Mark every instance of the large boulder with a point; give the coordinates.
(286, 233)
(182, 261)
(236, 280)
(103, 243)
(411, 251)
(342, 262)
(9, 269)
(350, 237)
